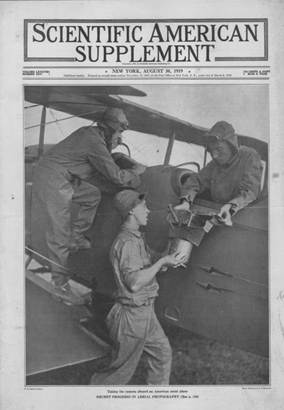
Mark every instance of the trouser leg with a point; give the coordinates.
(158, 353)
(54, 194)
(125, 358)
(59, 233)
(88, 197)
(127, 329)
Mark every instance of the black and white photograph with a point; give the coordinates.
(141, 205)
(146, 234)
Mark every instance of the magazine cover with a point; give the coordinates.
(141, 205)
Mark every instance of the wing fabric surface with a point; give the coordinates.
(91, 102)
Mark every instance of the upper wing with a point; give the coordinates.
(90, 103)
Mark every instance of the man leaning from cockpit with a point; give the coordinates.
(232, 178)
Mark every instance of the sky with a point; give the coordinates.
(245, 106)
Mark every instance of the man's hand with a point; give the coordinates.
(225, 215)
(139, 169)
(174, 260)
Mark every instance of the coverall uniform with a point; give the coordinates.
(55, 188)
(237, 182)
(132, 322)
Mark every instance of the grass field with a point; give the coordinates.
(196, 361)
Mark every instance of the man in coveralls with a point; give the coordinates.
(132, 322)
(232, 178)
(60, 179)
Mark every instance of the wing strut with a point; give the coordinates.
(205, 157)
(42, 131)
(169, 148)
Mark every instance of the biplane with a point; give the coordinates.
(223, 291)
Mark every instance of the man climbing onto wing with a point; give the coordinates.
(132, 322)
(232, 178)
(61, 178)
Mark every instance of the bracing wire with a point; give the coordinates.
(31, 106)
(56, 122)
(64, 119)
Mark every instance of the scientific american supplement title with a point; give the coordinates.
(133, 43)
